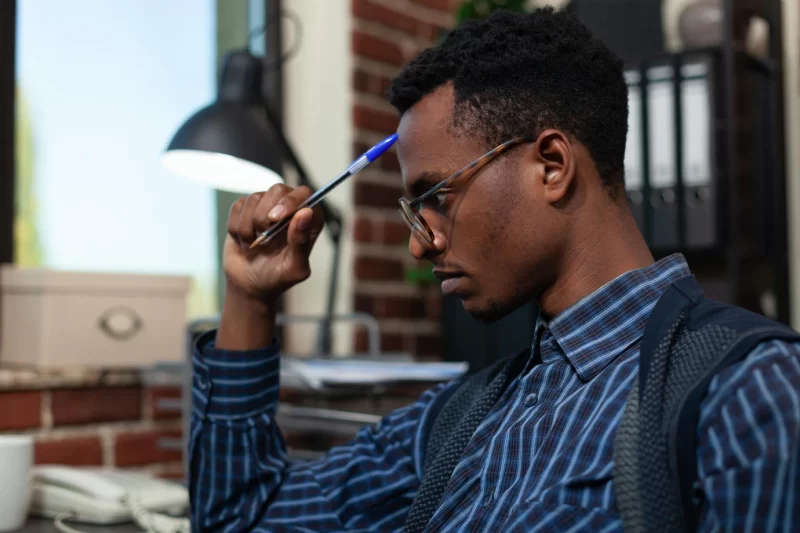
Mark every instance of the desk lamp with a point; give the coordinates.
(235, 144)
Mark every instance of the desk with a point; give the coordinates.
(44, 525)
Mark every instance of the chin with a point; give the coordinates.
(485, 311)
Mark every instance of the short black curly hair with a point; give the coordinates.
(518, 74)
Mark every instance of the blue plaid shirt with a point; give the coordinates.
(540, 461)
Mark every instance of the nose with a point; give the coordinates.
(420, 248)
(417, 245)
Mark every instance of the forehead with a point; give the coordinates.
(427, 142)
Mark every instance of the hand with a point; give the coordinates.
(268, 270)
(257, 277)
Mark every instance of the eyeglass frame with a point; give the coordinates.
(409, 208)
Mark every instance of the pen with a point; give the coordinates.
(359, 164)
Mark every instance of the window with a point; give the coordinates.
(101, 87)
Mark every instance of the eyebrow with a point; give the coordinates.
(424, 182)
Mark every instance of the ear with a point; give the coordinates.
(556, 162)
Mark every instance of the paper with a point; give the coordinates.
(323, 373)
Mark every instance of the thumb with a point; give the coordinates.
(298, 239)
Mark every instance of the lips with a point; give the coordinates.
(450, 280)
(446, 274)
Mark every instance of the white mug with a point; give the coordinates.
(16, 461)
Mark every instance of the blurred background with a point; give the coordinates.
(111, 262)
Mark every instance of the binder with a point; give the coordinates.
(660, 202)
(663, 197)
(698, 150)
(633, 151)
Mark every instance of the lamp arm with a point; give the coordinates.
(333, 219)
(333, 222)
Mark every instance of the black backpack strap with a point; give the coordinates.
(640, 455)
(680, 296)
(426, 427)
(687, 341)
(451, 431)
(435, 428)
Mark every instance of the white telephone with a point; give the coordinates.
(103, 496)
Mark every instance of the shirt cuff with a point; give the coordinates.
(229, 384)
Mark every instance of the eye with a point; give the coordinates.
(439, 199)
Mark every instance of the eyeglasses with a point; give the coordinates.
(410, 209)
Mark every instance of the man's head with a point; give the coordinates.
(503, 232)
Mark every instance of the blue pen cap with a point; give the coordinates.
(376, 151)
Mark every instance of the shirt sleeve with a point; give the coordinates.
(242, 480)
(749, 448)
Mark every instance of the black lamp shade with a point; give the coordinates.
(228, 145)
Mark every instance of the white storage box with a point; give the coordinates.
(58, 319)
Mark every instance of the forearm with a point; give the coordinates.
(246, 323)
(241, 478)
(233, 392)
(243, 481)
(230, 487)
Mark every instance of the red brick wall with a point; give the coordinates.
(386, 34)
(93, 426)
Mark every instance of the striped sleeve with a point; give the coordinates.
(241, 479)
(749, 451)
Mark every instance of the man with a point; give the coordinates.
(544, 218)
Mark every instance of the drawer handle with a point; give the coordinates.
(120, 323)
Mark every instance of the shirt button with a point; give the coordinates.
(202, 384)
(531, 399)
(489, 499)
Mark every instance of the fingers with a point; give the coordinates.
(303, 230)
(251, 215)
(248, 218)
(305, 227)
(317, 223)
(271, 208)
(234, 217)
(245, 228)
(270, 211)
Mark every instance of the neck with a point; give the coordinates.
(609, 246)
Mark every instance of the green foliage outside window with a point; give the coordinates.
(27, 246)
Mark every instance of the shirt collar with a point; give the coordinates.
(594, 330)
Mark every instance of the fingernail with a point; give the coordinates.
(277, 211)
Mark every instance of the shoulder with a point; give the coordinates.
(757, 397)
(773, 362)
(749, 441)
